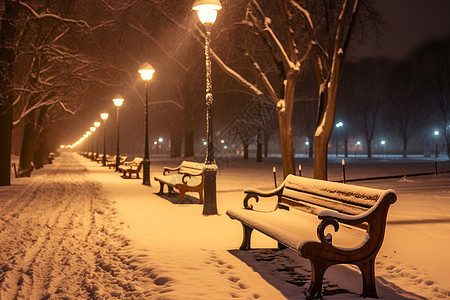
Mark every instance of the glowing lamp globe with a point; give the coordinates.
(92, 129)
(207, 10)
(146, 72)
(104, 116)
(97, 124)
(118, 102)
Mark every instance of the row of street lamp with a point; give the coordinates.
(207, 14)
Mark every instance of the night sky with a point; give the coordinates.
(408, 23)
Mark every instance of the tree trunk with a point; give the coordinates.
(405, 146)
(287, 151)
(245, 144)
(189, 143)
(41, 154)
(7, 56)
(258, 148)
(369, 148)
(28, 145)
(175, 145)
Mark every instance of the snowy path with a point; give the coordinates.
(58, 240)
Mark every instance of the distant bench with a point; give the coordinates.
(354, 207)
(187, 177)
(111, 162)
(132, 167)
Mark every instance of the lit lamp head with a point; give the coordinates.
(104, 116)
(97, 124)
(207, 10)
(146, 72)
(118, 102)
(88, 133)
(92, 129)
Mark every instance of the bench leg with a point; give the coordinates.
(161, 188)
(182, 192)
(367, 268)
(247, 235)
(200, 195)
(318, 269)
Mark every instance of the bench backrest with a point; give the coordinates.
(190, 167)
(314, 196)
(137, 160)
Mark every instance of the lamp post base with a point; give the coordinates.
(210, 201)
(146, 175)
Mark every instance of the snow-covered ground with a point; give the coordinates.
(77, 230)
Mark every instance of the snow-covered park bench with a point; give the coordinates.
(132, 167)
(302, 204)
(111, 161)
(187, 177)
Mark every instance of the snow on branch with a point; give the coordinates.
(323, 55)
(80, 23)
(262, 24)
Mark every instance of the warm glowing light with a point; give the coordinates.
(88, 133)
(97, 124)
(207, 10)
(155, 143)
(104, 116)
(146, 72)
(222, 141)
(92, 129)
(118, 102)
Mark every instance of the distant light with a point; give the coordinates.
(339, 124)
(104, 116)
(61, 146)
(92, 129)
(225, 147)
(118, 101)
(97, 124)
(436, 132)
(207, 10)
(222, 141)
(88, 133)
(204, 143)
(358, 143)
(383, 142)
(155, 143)
(146, 72)
(160, 140)
(307, 143)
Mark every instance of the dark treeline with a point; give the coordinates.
(63, 62)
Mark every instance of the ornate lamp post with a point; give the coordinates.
(96, 125)
(207, 13)
(146, 74)
(436, 135)
(92, 129)
(104, 117)
(338, 125)
(118, 103)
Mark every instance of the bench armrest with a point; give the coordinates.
(254, 193)
(189, 175)
(167, 170)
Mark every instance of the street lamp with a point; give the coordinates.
(207, 13)
(338, 125)
(118, 103)
(96, 125)
(104, 117)
(146, 72)
(92, 129)
(436, 134)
